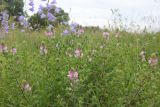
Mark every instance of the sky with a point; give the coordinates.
(98, 12)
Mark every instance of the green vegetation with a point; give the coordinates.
(110, 72)
(36, 19)
(14, 7)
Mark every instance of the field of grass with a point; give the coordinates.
(110, 72)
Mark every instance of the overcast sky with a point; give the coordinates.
(98, 12)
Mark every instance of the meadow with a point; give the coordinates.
(105, 72)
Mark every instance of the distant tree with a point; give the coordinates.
(14, 7)
(36, 19)
(36, 22)
(2, 5)
(61, 16)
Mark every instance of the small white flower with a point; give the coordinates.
(26, 86)
(78, 53)
(43, 49)
(142, 55)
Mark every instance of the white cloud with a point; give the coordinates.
(96, 12)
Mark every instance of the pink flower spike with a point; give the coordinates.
(78, 53)
(73, 75)
(106, 35)
(153, 61)
(14, 51)
(80, 31)
(49, 34)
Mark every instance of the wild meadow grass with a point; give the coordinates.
(110, 71)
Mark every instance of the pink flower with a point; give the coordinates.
(80, 31)
(153, 61)
(73, 75)
(78, 53)
(49, 34)
(106, 35)
(14, 51)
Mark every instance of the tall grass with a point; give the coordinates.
(111, 73)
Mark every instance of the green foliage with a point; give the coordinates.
(14, 7)
(36, 22)
(62, 16)
(109, 76)
(35, 19)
